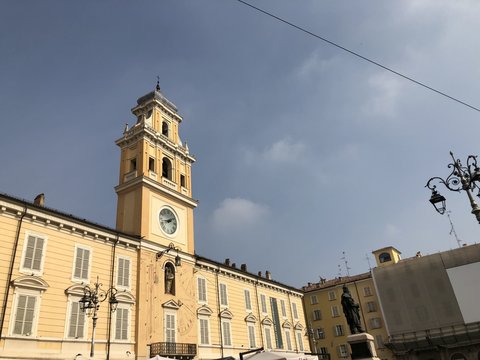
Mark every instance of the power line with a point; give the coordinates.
(360, 56)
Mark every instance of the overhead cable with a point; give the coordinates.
(360, 56)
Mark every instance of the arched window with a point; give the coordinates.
(166, 168)
(458, 356)
(165, 128)
(169, 279)
(384, 257)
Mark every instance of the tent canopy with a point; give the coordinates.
(273, 355)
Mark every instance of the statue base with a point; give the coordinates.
(363, 346)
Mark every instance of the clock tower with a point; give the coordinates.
(155, 189)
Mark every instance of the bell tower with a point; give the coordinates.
(155, 189)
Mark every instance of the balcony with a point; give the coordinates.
(169, 183)
(176, 350)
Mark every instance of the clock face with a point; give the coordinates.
(168, 221)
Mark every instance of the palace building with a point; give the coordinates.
(72, 289)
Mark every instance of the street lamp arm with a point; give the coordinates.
(461, 178)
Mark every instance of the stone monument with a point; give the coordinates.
(361, 343)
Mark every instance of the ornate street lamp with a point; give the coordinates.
(461, 178)
(178, 260)
(90, 303)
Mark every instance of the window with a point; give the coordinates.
(338, 329)
(248, 304)
(379, 341)
(170, 320)
(289, 341)
(121, 323)
(182, 180)
(284, 309)
(24, 315)
(223, 295)
(268, 337)
(33, 254)
(26, 304)
(123, 275)
(251, 336)
(367, 291)
(202, 289)
(332, 295)
(76, 327)
(323, 350)
(300, 340)
(226, 332)
(371, 306)
(294, 310)
(375, 323)
(82, 263)
(320, 333)
(343, 350)
(334, 309)
(384, 257)
(133, 164)
(204, 332)
(151, 164)
(165, 128)
(263, 301)
(167, 168)
(317, 315)
(313, 300)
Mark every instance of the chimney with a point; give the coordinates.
(268, 276)
(40, 200)
(243, 267)
(227, 262)
(234, 265)
(259, 274)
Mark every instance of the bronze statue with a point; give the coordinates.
(351, 311)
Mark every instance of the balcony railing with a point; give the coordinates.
(173, 349)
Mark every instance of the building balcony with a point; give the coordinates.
(169, 183)
(175, 350)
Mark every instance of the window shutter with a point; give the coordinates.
(126, 273)
(86, 258)
(29, 253)
(37, 259)
(78, 263)
(118, 324)
(248, 304)
(125, 324)
(120, 272)
(72, 330)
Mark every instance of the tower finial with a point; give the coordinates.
(158, 83)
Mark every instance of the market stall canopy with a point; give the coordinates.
(273, 355)
(158, 357)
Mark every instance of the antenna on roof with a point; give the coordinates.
(452, 230)
(158, 83)
(344, 258)
(368, 261)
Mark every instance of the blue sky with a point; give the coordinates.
(303, 151)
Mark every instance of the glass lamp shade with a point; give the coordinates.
(438, 202)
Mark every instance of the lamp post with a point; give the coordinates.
(90, 303)
(461, 178)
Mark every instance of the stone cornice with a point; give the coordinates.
(152, 184)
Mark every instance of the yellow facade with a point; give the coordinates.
(50, 281)
(327, 325)
(171, 302)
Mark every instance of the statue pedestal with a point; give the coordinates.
(363, 346)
